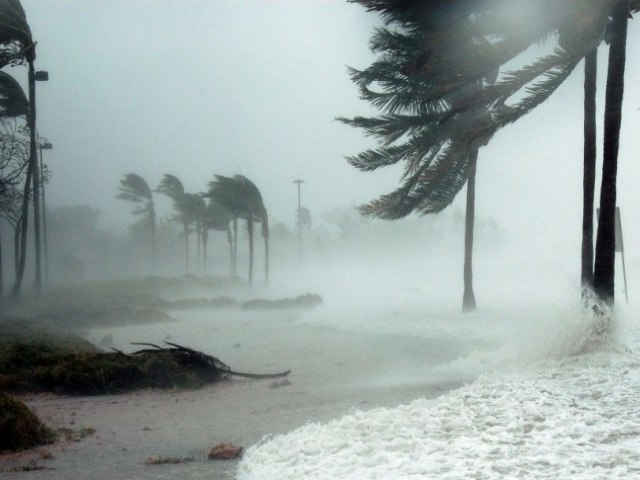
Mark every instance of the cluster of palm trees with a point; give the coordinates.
(17, 47)
(441, 82)
(227, 200)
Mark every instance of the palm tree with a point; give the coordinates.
(604, 269)
(184, 204)
(426, 82)
(589, 175)
(15, 32)
(217, 218)
(14, 103)
(134, 188)
(243, 199)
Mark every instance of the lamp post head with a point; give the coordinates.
(298, 181)
(41, 76)
(46, 146)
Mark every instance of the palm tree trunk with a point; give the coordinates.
(22, 228)
(589, 176)
(33, 160)
(230, 242)
(235, 246)
(266, 260)
(603, 275)
(250, 229)
(205, 240)
(152, 220)
(186, 247)
(468, 298)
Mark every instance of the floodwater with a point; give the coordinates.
(334, 370)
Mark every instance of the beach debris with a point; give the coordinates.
(160, 460)
(308, 300)
(201, 362)
(280, 383)
(46, 454)
(225, 451)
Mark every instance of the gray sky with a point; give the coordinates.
(253, 87)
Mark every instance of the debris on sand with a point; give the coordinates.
(37, 366)
(308, 300)
(167, 460)
(225, 451)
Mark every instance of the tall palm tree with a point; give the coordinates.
(14, 103)
(15, 32)
(589, 174)
(217, 218)
(604, 268)
(425, 82)
(185, 206)
(134, 188)
(243, 199)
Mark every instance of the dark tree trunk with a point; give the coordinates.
(468, 298)
(230, 242)
(603, 276)
(589, 177)
(186, 248)
(205, 240)
(235, 246)
(33, 161)
(22, 228)
(266, 260)
(250, 229)
(152, 225)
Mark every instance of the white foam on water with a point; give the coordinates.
(541, 412)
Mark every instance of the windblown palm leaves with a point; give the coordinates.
(242, 198)
(13, 101)
(430, 83)
(14, 30)
(134, 188)
(187, 206)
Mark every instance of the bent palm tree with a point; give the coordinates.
(243, 199)
(15, 37)
(134, 188)
(185, 207)
(426, 81)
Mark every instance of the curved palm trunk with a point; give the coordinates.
(468, 298)
(266, 260)
(186, 248)
(603, 275)
(230, 242)
(235, 246)
(205, 240)
(152, 220)
(250, 229)
(589, 176)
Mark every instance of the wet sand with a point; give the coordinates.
(333, 372)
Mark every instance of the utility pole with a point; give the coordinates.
(44, 145)
(299, 182)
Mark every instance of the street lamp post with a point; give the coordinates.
(299, 182)
(40, 76)
(44, 146)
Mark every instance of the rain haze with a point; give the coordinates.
(238, 87)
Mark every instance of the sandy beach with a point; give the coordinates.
(333, 372)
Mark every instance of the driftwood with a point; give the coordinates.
(198, 360)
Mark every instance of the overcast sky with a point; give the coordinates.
(200, 87)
